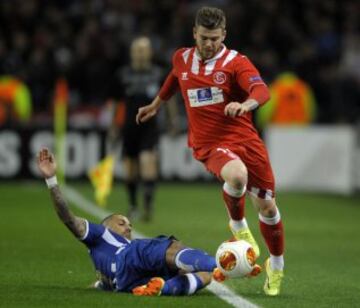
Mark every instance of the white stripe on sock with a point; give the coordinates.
(192, 283)
(237, 193)
(277, 262)
(271, 220)
(237, 225)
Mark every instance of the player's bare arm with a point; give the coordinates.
(234, 109)
(75, 224)
(47, 166)
(147, 112)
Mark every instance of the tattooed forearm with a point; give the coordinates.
(75, 225)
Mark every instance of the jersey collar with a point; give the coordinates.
(217, 56)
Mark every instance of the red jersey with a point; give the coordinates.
(207, 86)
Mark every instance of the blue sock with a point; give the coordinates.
(194, 260)
(182, 285)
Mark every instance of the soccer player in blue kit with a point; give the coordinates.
(155, 266)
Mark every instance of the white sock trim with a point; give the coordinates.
(234, 192)
(237, 225)
(277, 262)
(192, 283)
(181, 265)
(271, 220)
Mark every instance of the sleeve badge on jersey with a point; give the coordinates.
(255, 78)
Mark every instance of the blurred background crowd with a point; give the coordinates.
(87, 41)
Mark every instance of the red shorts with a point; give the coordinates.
(255, 157)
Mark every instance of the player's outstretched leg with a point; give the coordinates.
(273, 232)
(186, 284)
(194, 260)
(235, 204)
(235, 174)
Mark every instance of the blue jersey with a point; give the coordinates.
(103, 246)
(126, 264)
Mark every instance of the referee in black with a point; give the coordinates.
(135, 85)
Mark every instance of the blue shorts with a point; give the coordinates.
(142, 260)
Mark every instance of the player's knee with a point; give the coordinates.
(148, 172)
(268, 209)
(171, 253)
(235, 174)
(238, 177)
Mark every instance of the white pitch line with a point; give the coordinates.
(218, 289)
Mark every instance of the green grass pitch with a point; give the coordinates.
(41, 265)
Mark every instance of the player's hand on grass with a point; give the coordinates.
(46, 163)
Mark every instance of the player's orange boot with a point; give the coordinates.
(218, 275)
(152, 288)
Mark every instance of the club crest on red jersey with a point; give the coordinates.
(219, 77)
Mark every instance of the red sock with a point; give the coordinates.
(235, 206)
(274, 237)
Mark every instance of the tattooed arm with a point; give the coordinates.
(75, 224)
(47, 166)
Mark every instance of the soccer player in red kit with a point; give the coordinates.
(220, 88)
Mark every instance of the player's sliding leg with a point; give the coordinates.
(179, 257)
(272, 230)
(194, 260)
(186, 284)
(235, 175)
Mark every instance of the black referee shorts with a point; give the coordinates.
(139, 138)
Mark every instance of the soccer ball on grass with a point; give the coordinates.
(235, 259)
